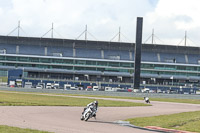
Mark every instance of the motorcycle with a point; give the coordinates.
(88, 113)
(146, 99)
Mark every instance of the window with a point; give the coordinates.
(23, 59)
(190, 68)
(57, 67)
(101, 63)
(3, 73)
(170, 67)
(181, 67)
(80, 62)
(11, 58)
(34, 59)
(125, 64)
(114, 64)
(68, 67)
(57, 61)
(90, 62)
(2, 57)
(45, 60)
(148, 66)
(68, 61)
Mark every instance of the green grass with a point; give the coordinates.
(32, 99)
(187, 121)
(176, 100)
(191, 101)
(8, 129)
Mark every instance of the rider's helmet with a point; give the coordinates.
(96, 103)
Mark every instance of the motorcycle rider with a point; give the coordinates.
(95, 108)
(146, 99)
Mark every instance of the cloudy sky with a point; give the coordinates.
(169, 19)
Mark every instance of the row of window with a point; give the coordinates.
(99, 63)
(3, 73)
(66, 61)
(66, 67)
(170, 67)
(90, 65)
(170, 73)
(77, 68)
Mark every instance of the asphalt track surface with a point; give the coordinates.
(67, 119)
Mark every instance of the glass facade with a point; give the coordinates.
(97, 65)
(168, 69)
(3, 73)
(69, 64)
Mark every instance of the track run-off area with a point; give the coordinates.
(64, 119)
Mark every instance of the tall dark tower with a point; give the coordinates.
(138, 45)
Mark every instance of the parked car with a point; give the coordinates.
(145, 90)
(108, 89)
(39, 87)
(55, 86)
(48, 86)
(89, 88)
(95, 88)
(74, 88)
(122, 90)
(130, 89)
(67, 86)
(136, 90)
(80, 88)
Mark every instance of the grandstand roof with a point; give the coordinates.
(98, 44)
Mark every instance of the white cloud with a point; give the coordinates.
(103, 17)
(1, 11)
(169, 18)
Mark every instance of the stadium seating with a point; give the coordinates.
(10, 48)
(193, 59)
(172, 58)
(116, 54)
(31, 49)
(149, 56)
(88, 53)
(65, 51)
(112, 54)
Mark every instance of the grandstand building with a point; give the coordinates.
(108, 63)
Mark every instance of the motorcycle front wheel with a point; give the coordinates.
(87, 116)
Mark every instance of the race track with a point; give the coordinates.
(67, 119)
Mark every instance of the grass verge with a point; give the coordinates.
(28, 99)
(187, 121)
(8, 129)
(190, 101)
(175, 100)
